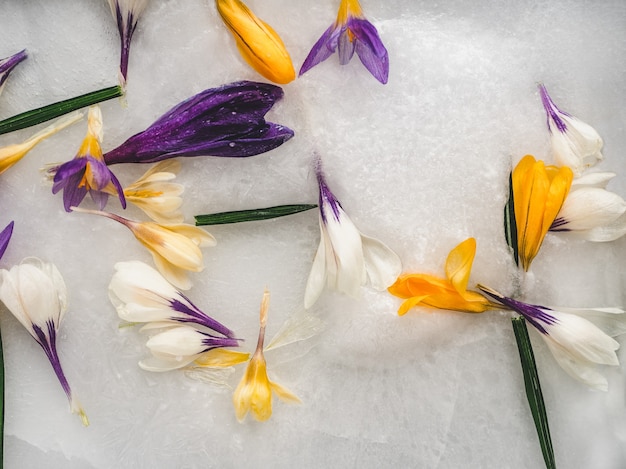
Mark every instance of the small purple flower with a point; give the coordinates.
(351, 32)
(126, 14)
(7, 64)
(5, 237)
(87, 172)
(225, 121)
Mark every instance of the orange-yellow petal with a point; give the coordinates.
(257, 42)
(459, 264)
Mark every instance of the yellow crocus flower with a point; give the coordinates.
(538, 194)
(254, 392)
(449, 293)
(257, 42)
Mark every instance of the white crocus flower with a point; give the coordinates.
(178, 346)
(575, 144)
(577, 344)
(346, 259)
(35, 293)
(141, 294)
(155, 195)
(592, 211)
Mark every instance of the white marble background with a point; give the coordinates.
(421, 163)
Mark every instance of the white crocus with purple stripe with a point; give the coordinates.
(35, 293)
(578, 345)
(345, 258)
(178, 346)
(126, 13)
(141, 294)
(575, 144)
(591, 211)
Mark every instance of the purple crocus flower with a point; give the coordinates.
(126, 14)
(576, 343)
(225, 121)
(87, 172)
(351, 32)
(35, 293)
(7, 64)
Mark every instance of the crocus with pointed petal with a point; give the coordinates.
(591, 211)
(87, 172)
(35, 293)
(178, 346)
(7, 64)
(575, 144)
(141, 294)
(126, 13)
(577, 344)
(257, 41)
(538, 193)
(443, 293)
(346, 259)
(158, 198)
(254, 392)
(11, 154)
(351, 32)
(224, 121)
(175, 248)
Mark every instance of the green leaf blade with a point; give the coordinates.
(533, 390)
(240, 216)
(54, 110)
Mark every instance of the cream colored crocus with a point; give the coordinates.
(175, 248)
(156, 195)
(35, 293)
(257, 42)
(11, 154)
(254, 392)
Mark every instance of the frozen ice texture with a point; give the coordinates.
(420, 163)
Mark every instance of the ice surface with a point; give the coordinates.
(421, 163)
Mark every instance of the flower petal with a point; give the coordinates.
(381, 264)
(322, 49)
(370, 48)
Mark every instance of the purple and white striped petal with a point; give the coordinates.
(126, 14)
(577, 344)
(346, 259)
(8, 64)
(141, 294)
(35, 293)
(575, 144)
(225, 121)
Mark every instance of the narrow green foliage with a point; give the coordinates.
(251, 215)
(533, 390)
(510, 226)
(52, 111)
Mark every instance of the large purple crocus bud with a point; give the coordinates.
(7, 64)
(225, 121)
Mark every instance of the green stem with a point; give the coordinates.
(533, 390)
(52, 111)
(251, 215)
